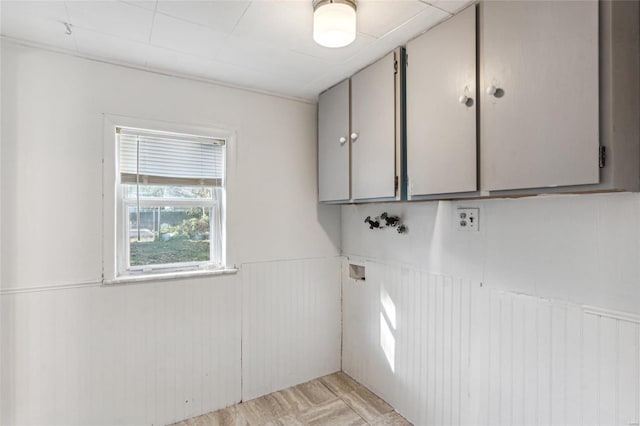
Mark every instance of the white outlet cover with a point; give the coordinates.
(467, 219)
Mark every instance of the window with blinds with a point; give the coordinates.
(162, 158)
(172, 190)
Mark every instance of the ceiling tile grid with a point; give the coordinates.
(261, 44)
(181, 36)
(36, 21)
(113, 18)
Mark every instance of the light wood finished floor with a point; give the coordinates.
(334, 400)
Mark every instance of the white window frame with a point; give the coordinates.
(116, 232)
(124, 254)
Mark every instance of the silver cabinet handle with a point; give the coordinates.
(342, 140)
(354, 136)
(491, 90)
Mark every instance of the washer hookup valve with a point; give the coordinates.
(391, 221)
(372, 223)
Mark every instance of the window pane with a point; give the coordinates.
(162, 154)
(157, 191)
(169, 235)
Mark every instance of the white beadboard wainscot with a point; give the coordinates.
(447, 351)
(156, 353)
(121, 355)
(290, 323)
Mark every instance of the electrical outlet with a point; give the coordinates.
(467, 219)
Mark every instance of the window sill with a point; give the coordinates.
(164, 276)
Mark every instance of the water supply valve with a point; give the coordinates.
(372, 223)
(385, 220)
(391, 221)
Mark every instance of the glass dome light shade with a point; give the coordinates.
(334, 24)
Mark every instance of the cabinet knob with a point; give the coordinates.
(354, 136)
(463, 99)
(491, 90)
(342, 140)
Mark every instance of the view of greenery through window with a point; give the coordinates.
(167, 234)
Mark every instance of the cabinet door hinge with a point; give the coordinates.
(395, 62)
(602, 156)
(395, 183)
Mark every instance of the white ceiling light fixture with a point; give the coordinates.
(334, 22)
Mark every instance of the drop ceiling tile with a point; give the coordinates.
(376, 18)
(185, 37)
(145, 4)
(329, 79)
(259, 80)
(452, 6)
(171, 61)
(271, 46)
(277, 23)
(426, 19)
(220, 15)
(335, 56)
(241, 76)
(114, 18)
(292, 66)
(105, 46)
(179, 63)
(289, 25)
(36, 21)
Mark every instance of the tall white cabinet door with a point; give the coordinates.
(539, 110)
(441, 108)
(373, 148)
(333, 144)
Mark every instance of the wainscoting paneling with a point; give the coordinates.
(131, 354)
(444, 351)
(290, 323)
(160, 352)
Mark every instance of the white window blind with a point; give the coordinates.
(162, 158)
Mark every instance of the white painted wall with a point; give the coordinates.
(52, 151)
(579, 248)
(535, 319)
(76, 353)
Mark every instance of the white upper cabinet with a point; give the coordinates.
(333, 144)
(359, 135)
(539, 94)
(374, 142)
(505, 98)
(441, 108)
